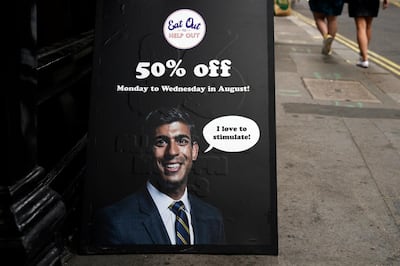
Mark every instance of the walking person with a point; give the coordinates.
(363, 12)
(325, 16)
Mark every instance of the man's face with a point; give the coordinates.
(174, 152)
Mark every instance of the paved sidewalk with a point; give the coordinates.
(338, 139)
(338, 150)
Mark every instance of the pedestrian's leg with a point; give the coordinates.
(328, 38)
(362, 39)
(319, 19)
(332, 25)
(369, 29)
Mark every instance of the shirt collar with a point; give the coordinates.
(163, 201)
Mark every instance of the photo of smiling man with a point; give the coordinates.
(163, 211)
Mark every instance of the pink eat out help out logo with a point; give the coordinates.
(184, 29)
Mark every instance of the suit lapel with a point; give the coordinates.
(153, 222)
(197, 221)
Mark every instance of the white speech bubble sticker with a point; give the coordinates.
(231, 133)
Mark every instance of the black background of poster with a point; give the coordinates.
(242, 185)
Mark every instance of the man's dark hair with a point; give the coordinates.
(164, 116)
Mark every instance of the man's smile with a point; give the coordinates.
(172, 167)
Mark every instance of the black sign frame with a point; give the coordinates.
(238, 45)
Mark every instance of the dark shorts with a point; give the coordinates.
(327, 7)
(363, 8)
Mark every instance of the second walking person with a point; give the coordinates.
(325, 15)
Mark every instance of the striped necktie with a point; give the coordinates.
(181, 223)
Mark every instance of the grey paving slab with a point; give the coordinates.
(382, 159)
(330, 211)
(339, 90)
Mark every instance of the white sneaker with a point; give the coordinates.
(327, 45)
(363, 64)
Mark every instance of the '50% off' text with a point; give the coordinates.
(214, 68)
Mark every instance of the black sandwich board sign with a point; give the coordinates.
(210, 62)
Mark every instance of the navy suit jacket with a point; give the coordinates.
(136, 220)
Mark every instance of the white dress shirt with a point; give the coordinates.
(168, 217)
